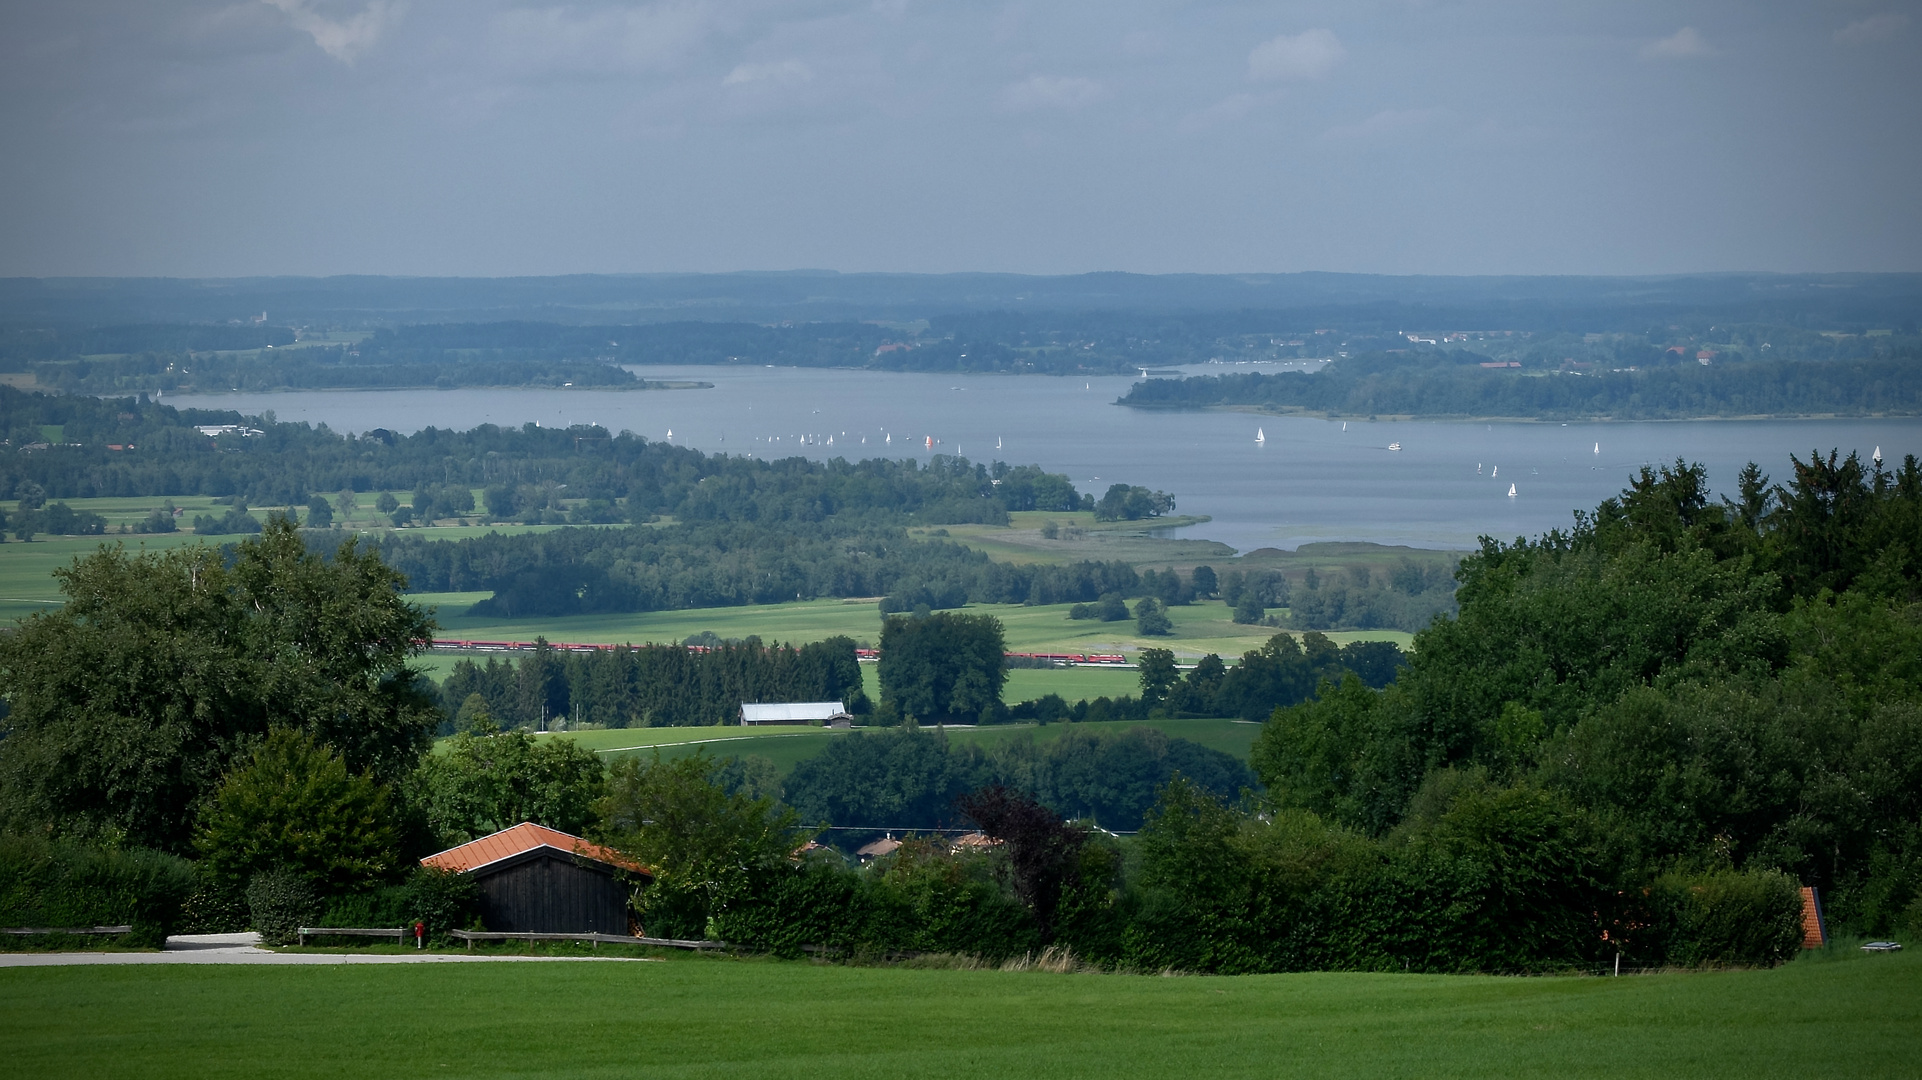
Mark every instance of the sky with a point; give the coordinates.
(208, 138)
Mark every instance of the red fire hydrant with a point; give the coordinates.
(420, 934)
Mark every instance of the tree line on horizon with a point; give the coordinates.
(1454, 383)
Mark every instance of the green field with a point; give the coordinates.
(787, 747)
(27, 585)
(720, 1017)
(1200, 628)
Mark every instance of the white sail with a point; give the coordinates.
(1259, 436)
(997, 442)
(1511, 491)
(1494, 472)
(1598, 448)
(1878, 455)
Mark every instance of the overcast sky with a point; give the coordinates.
(492, 137)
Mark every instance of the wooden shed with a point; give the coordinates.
(539, 880)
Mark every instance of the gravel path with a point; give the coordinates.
(244, 949)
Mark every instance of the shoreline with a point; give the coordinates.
(1458, 418)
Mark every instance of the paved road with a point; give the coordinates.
(244, 949)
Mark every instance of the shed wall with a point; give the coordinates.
(553, 895)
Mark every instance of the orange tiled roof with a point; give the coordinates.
(524, 837)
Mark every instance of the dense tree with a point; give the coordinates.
(1158, 675)
(1454, 384)
(656, 685)
(706, 849)
(163, 669)
(1683, 673)
(1151, 618)
(293, 806)
(1127, 502)
(481, 782)
(944, 668)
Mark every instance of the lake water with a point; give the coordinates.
(1310, 480)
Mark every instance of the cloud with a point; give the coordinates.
(602, 41)
(1388, 122)
(1872, 29)
(1066, 92)
(784, 73)
(1680, 45)
(1310, 54)
(1226, 111)
(341, 38)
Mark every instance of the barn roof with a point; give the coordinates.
(791, 712)
(519, 840)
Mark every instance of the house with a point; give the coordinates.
(830, 713)
(538, 880)
(887, 845)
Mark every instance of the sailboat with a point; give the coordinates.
(890, 441)
(1259, 437)
(1344, 425)
(1494, 472)
(1878, 455)
(670, 434)
(1598, 448)
(1394, 446)
(1511, 491)
(930, 442)
(997, 442)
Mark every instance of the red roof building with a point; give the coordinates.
(541, 880)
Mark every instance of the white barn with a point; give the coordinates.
(830, 713)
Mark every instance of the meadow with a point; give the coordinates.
(27, 585)
(687, 1017)
(1199, 628)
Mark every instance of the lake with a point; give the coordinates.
(1309, 480)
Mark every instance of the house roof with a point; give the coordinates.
(791, 712)
(879, 848)
(520, 840)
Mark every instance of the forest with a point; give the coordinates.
(1635, 742)
(1464, 383)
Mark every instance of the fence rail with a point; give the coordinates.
(305, 932)
(24, 931)
(471, 936)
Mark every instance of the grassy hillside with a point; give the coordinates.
(1860, 1018)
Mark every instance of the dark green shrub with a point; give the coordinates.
(1728, 917)
(64, 884)
(214, 907)
(815, 902)
(442, 899)
(280, 901)
(295, 805)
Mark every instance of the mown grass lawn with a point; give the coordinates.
(713, 1017)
